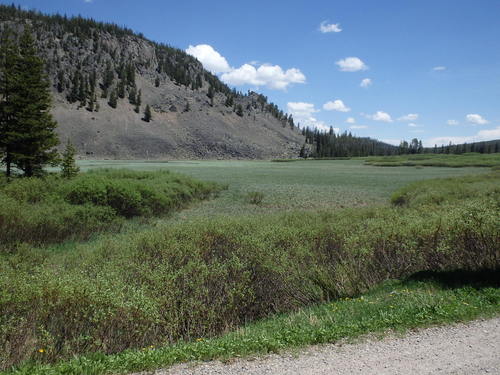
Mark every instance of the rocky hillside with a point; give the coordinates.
(104, 76)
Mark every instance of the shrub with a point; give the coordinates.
(254, 197)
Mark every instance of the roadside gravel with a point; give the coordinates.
(472, 348)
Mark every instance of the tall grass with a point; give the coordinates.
(54, 209)
(208, 276)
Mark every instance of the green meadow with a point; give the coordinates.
(301, 185)
(216, 259)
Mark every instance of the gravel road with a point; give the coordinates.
(472, 348)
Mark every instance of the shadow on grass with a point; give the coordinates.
(460, 278)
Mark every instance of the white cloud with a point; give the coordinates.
(409, 117)
(325, 27)
(210, 58)
(476, 119)
(366, 82)
(380, 116)
(271, 76)
(351, 64)
(303, 114)
(413, 125)
(350, 120)
(417, 131)
(483, 135)
(336, 105)
(452, 122)
(358, 127)
(439, 68)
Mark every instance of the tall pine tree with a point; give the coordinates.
(30, 127)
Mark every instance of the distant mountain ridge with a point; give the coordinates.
(103, 76)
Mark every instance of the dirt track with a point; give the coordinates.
(472, 348)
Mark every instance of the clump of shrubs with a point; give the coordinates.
(54, 209)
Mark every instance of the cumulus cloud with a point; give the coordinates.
(303, 113)
(367, 82)
(271, 76)
(439, 68)
(409, 117)
(476, 119)
(358, 127)
(326, 27)
(336, 105)
(210, 58)
(452, 122)
(350, 120)
(483, 135)
(413, 125)
(351, 64)
(380, 116)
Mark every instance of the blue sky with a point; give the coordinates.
(431, 69)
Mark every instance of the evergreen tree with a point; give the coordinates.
(113, 99)
(69, 168)
(8, 57)
(147, 114)
(30, 136)
(239, 110)
(138, 102)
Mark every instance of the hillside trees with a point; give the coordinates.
(27, 137)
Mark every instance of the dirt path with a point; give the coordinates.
(472, 348)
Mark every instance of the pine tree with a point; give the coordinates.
(239, 110)
(31, 138)
(8, 57)
(113, 99)
(147, 114)
(138, 102)
(69, 168)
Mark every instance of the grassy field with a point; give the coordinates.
(183, 287)
(304, 185)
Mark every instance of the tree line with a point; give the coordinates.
(327, 144)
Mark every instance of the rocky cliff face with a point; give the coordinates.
(194, 115)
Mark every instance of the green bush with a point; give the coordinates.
(54, 209)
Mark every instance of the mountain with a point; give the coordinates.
(103, 76)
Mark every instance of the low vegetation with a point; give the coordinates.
(54, 209)
(206, 277)
(437, 160)
(393, 306)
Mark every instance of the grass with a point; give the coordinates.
(394, 306)
(436, 160)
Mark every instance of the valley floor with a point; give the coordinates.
(471, 348)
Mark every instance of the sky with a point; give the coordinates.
(387, 69)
